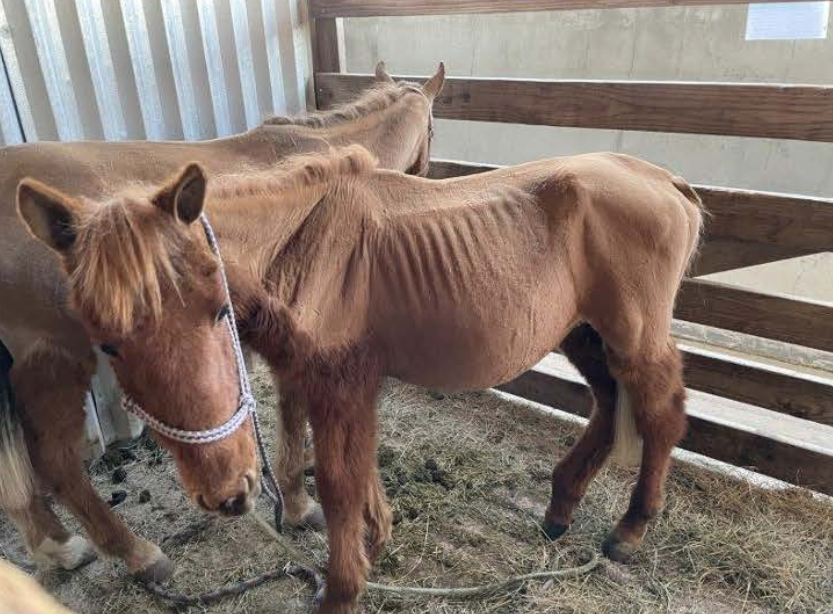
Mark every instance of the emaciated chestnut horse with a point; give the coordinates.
(54, 310)
(345, 274)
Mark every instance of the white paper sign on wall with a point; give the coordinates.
(787, 21)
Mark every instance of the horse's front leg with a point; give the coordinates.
(344, 431)
(290, 461)
(49, 387)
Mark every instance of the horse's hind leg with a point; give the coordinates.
(290, 461)
(657, 398)
(49, 387)
(48, 541)
(584, 348)
(46, 538)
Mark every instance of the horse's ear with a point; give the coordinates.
(184, 197)
(434, 85)
(382, 73)
(51, 217)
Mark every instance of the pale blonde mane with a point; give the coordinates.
(378, 97)
(124, 263)
(295, 174)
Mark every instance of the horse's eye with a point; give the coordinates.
(110, 350)
(223, 313)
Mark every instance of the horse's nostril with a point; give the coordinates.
(235, 506)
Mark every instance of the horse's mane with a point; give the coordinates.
(124, 261)
(376, 98)
(294, 174)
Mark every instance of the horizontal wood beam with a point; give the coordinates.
(773, 316)
(806, 466)
(401, 8)
(788, 220)
(783, 390)
(802, 112)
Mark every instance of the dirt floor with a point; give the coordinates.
(468, 479)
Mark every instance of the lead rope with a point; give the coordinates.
(268, 481)
(248, 406)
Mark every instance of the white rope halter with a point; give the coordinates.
(247, 403)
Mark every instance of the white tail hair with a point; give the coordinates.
(627, 443)
(16, 475)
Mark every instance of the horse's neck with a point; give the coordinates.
(252, 232)
(391, 134)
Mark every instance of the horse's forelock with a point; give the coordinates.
(124, 263)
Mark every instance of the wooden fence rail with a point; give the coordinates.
(403, 8)
(731, 109)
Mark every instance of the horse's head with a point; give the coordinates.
(147, 287)
(414, 127)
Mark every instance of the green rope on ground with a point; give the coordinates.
(468, 592)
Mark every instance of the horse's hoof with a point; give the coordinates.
(314, 519)
(617, 550)
(554, 530)
(157, 572)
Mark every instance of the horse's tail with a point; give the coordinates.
(696, 218)
(627, 442)
(16, 475)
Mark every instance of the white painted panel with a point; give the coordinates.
(14, 80)
(142, 59)
(271, 37)
(214, 66)
(175, 33)
(245, 62)
(105, 85)
(9, 124)
(296, 54)
(43, 20)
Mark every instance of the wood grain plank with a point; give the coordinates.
(784, 460)
(380, 8)
(731, 109)
(780, 317)
(744, 228)
(325, 54)
(782, 390)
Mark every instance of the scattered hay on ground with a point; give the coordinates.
(468, 480)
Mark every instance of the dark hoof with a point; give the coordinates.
(157, 572)
(554, 530)
(618, 551)
(88, 557)
(315, 520)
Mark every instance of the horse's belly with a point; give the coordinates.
(471, 356)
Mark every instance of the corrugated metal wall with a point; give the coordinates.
(148, 69)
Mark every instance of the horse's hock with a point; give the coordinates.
(757, 363)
